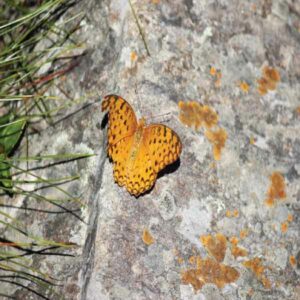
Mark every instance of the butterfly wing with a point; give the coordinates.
(122, 121)
(120, 153)
(159, 146)
(122, 125)
(140, 175)
(163, 144)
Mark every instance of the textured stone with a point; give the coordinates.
(185, 39)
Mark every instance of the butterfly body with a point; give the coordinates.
(136, 145)
(138, 151)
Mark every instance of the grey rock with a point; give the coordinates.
(185, 38)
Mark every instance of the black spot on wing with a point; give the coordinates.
(104, 121)
(165, 131)
(122, 105)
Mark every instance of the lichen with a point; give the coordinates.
(268, 81)
(209, 271)
(147, 237)
(196, 115)
(292, 260)
(215, 246)
(256, 266)
(244, 86)
(218, 139)
(276, 189)
(217, 74)
(244, 233)
(237, 251)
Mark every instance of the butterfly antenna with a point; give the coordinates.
(163, 117)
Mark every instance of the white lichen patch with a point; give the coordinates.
(278, 257)
(200, 147)
(61, 144)
(166, 205)
(195, 221)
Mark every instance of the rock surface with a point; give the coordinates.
(187, 40)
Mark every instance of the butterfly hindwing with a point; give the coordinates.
(119, 154)
(140, 173)
(163, 144)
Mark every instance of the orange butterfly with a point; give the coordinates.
(138, 151)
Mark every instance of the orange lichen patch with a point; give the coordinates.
(193, 277)
(255, 265)
(213, 71)
(147, 237)
(209, 116)
(190, 114)
(284, 227)
(133, 56)
(244, 233)
(235, 213)
(292, 260)
(269, 202)
(217, 74)
(218, 139)
(180, 260)
(228, 214)
(265, 85)
(196, 115)
(266, 282)
(234, 240)
(192, 260)
(209, 271)
(290, 218)
(215, 246)
(237, 251)
(271, 74)
(276, 189)
(261, 88)
(244, 86)
(298, 110)
(155, 1)
(268, 81)
(252, 140)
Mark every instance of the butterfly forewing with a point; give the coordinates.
(121, 118)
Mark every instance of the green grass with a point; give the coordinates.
(34, 52)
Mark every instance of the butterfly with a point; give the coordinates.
(138, 151)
